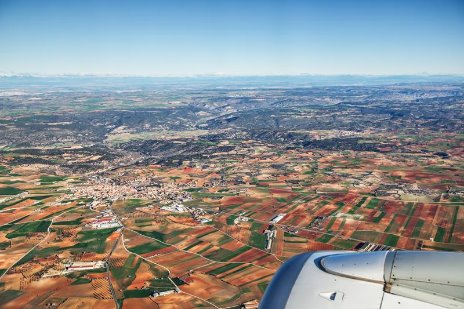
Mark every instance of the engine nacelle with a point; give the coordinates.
(380, 280)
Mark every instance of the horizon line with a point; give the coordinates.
(45, 75)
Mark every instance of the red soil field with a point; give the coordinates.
(248, 256)
(159, 252)
(232, 245)
(392, 207)
(207, 287)
(317, 246)
(232, 200)
(247, 276)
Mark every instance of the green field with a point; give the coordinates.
(263, 285)
(325, 238)
(40, 197)
(417, 228)
(148, 247)
(153, 234)
(373, 203)
(193, 189)
(48, 180)
(81, 281)
(10, 191)
(391, 240)
(92, 240)
(178, 281)
(4, 245)
(257, 240)
(95, 234)
(440, 235)
(138, 293)
(8, 295)
(70, 222)
(225, 255)
(29, 227)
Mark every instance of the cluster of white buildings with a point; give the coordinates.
(240, 218)
(175, 207)
(163, 293)
(204, 220)
(79, 266)
(69, 267)
(197, 213)
(166, 292)
(102, 188)
(270, 233)
(104, 221)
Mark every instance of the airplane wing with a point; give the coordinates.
(377, 280)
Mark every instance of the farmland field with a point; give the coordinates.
(192, 194)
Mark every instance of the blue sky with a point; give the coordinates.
(232, 37)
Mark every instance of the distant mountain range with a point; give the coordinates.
(8, 81)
